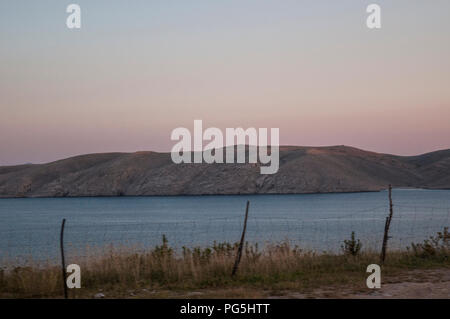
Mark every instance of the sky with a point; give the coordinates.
(138, 69)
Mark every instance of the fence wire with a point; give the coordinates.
(324, 233)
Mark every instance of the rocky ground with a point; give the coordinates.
(429, 284)
(417, 284)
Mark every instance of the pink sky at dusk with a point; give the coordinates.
(133, 74)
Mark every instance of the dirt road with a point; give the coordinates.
(417, 284)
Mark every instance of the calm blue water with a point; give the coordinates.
(30, 227)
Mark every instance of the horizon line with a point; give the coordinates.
(246, 145)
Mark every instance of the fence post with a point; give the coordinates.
(386, 227)
(63, 262)
(241, 244)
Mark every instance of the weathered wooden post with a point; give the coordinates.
(386, 227)
(63, 262)
(241, 244)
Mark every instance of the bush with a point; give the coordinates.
(435, 245)
(163, 251)
(352, 246)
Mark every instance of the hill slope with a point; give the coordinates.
(302, 170)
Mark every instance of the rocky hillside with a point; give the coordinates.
(302, 170)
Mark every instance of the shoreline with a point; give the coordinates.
(233, 194)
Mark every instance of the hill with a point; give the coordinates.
(302, 170)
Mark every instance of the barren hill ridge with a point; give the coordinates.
(302, 170)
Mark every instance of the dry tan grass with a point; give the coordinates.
(160, 273)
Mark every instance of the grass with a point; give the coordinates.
(161, 273)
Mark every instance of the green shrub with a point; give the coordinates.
(435, 245)
(352, 246)
(163, 251)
